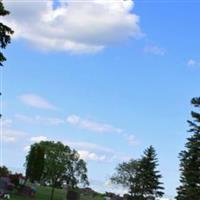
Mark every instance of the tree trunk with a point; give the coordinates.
(52, 192)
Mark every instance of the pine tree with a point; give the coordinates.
(190, 160)
(5, 33)
(149, 176)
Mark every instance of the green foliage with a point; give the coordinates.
(126, 174)
(5, 33)
(35, 163)
(140, 176)
(190, 160)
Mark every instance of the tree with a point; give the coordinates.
(149, 176)
(140, 176)
(4, 171)
(60, 164)
(190, 160)
(5, 33)
(126, 175)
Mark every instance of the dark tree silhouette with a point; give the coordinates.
(190, 160)
(5, 33)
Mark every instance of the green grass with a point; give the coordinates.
(43, 193)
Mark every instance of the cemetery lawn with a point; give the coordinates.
(43, 193)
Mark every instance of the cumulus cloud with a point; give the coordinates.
(78, 27)
(86, 155)
(36, 101)
(154, 49)
(35, 139)
(38, 139)
(91, 125)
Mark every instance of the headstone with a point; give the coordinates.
(72, 195)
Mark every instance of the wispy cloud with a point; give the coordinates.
(132, 140)
(154, 49)
(98, 127)
(91, 125)
(89, 146)
(39, 119)
(95, 152)
(12, 135)
(36, 101)
(193, 63)
(6, 122)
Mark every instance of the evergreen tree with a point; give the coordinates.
(190, 160)
(149, 176)
(5, 33)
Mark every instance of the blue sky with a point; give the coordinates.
(107, 78)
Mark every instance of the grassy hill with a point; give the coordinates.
(43, 193)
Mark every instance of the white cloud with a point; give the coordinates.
(89, 146)
(38, 139)
(6, 122)
(86, 155)
(98, 127)
(11, 135)
(78, 27)
(95, 152)
(35, 139)
(36, 101)
(153, 49)
(132, 140)
(90, 125)
(193, 63)
(27, 148)
(117, 189)
(39, 120)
